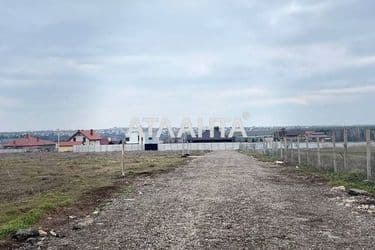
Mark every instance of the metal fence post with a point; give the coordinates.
(345, 149)
(285, 149)
(274, 148)
(291, 151)
(299, 151)
(334, 152)
(318, 145)
(307, 150)
(368, 154)
(281, 152)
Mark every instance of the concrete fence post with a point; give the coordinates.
(299, 151)
(318, 147)
(334, 152)
(368, 154)
(345, 149)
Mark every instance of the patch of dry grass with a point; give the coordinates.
(32, 184)
(349, 179)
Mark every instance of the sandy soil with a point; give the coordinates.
(223, 200)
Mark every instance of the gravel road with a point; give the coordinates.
(222, 200)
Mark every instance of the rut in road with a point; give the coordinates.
(223, 200)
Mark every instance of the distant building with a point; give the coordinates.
(31, 143)
(86, 137)
(314, 134)
(206, 137)
(82, 137)
(293, 133)
(288, 133)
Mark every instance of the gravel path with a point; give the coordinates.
(223, 200)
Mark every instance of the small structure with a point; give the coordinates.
(150, 141)
(105, 141)
(31, 144)
(67, 146)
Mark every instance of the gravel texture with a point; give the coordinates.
(222, 200)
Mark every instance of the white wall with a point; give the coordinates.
(13, 150)
(162, 147)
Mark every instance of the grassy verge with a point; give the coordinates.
(32, 185)
(349, 180)
(261, 157)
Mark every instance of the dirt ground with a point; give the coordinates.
(222, 200)
(34, 185)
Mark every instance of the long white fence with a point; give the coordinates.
(200, 146)
(11, 150)
(205, 146)
(161, 147)
(106, 148)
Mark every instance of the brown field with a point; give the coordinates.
(35, 184)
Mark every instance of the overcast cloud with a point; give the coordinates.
(97, 64)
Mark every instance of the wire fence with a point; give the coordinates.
(330, 155)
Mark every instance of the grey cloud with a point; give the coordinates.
(60, 55)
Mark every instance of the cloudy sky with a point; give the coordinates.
(97, 64)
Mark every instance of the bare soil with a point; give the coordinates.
(46, 188)
(222, 200)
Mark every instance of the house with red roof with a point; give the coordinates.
(86, 137)
(82, 137)
(31, 143)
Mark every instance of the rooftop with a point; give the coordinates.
(28, 141)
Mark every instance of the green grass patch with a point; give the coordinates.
(348, 180)
(21, 215)
(34, 184)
